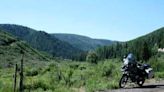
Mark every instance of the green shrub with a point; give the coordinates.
(159, 75)
(157, 64)
(6, 87)
(113, 84)
(108, 68)
(37, 84)
(33, 72)
(105, 75)
(92, 57)
(63, 89)
(68, 77)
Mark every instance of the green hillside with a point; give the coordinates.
(143, 47)
(71, 76)
(83, 42)
(11, 48)
(41, 76)
(154, 38)
(42, 41)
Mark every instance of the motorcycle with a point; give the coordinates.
(136, 74)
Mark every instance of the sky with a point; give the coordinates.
(120, 20)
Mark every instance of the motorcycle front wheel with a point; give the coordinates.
(123, 81)
(141, 82)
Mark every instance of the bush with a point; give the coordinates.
(5, 88)
(92, 57)
(108, 68)
(157, 64)
(33, 72)
(104, 75)
(113, 84)
(159, 74)
(68, 77)
(35, 84)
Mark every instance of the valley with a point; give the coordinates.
(49, 65)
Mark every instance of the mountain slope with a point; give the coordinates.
(143, 47)
(82, 42)
(42, 41)
(154, 38)
(11, 48)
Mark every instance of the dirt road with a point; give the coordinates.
(147, 87)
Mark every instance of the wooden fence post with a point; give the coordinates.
(21, 74)
(15, 78)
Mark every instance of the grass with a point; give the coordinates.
(65, 76)
(157, 63)
(70, 76)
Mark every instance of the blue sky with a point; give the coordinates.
(108, 19)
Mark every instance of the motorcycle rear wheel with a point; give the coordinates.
(123, 81)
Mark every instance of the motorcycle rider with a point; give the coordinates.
(130, 59)
(130, 63)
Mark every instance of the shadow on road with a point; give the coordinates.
(152, 86)
(144, 88)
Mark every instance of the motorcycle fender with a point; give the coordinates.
(150, 73)
(148, 70)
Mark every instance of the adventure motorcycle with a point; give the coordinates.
(135, 73)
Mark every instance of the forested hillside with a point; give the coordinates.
(42, 41)
(70, 76)
(11, 51)
(83, 42)
(143, 47)
(74, 46)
